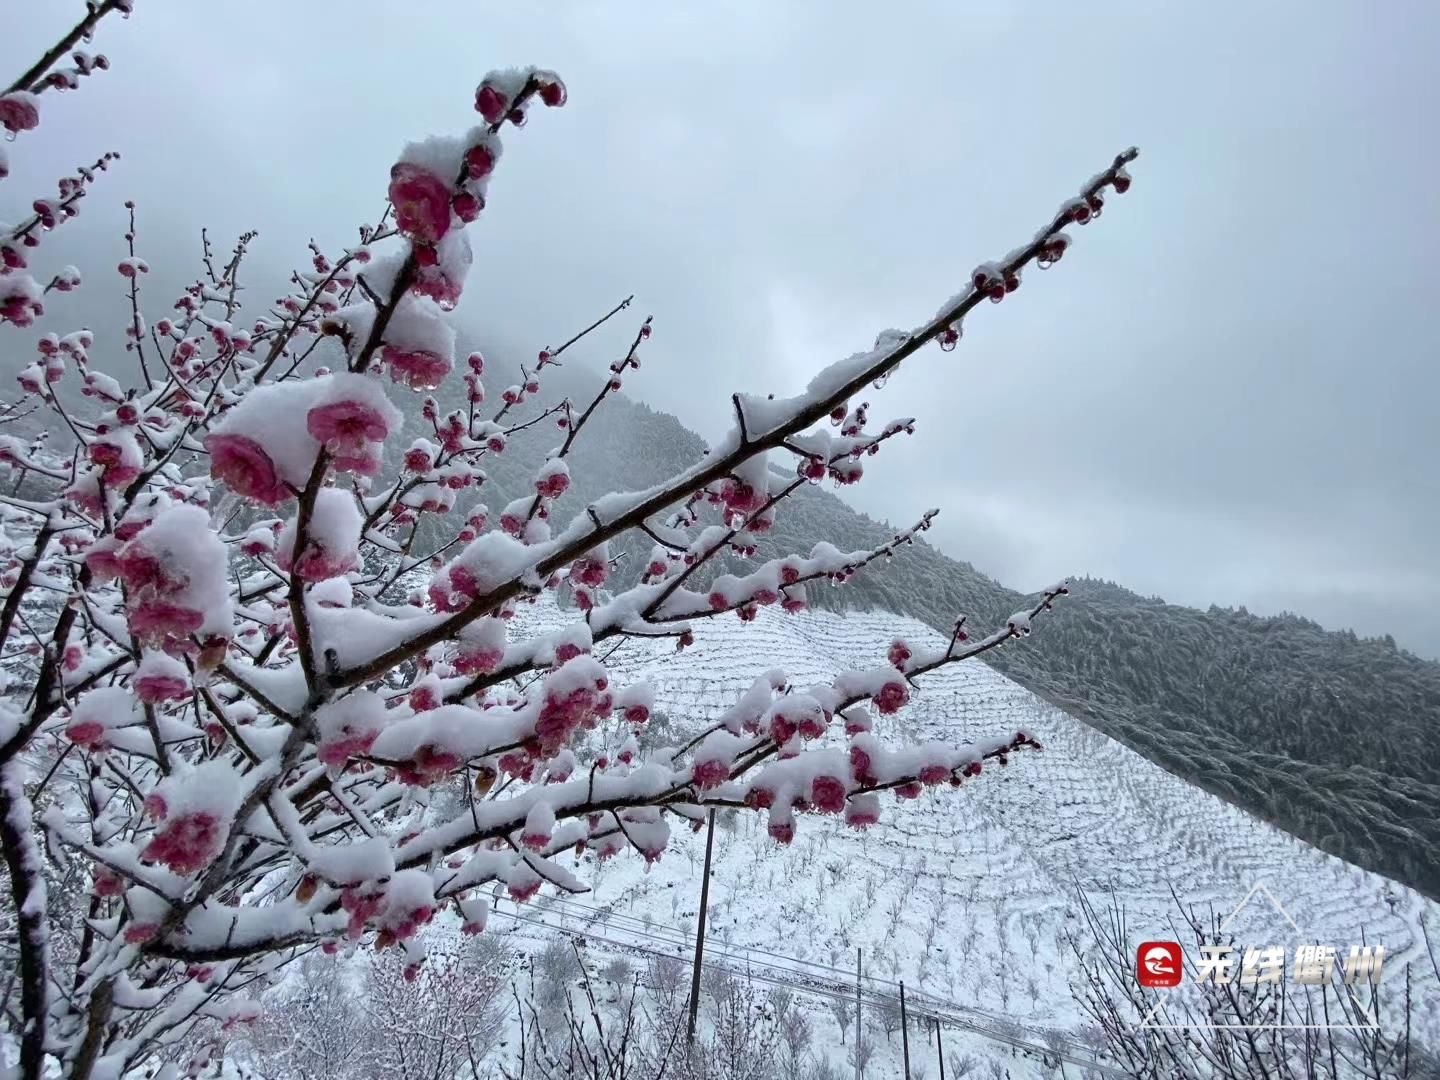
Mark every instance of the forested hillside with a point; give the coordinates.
(1325, 734)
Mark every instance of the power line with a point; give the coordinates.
(656, 931)
(938, 1010)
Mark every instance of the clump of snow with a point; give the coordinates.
(175, 573)
(195, 806)
(97, 713)
(485, 563)
(370, 859)
(160, 677)
(332, 539)
(348, 726)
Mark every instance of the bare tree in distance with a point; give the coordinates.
(1231, 1030)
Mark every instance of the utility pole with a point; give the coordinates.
(939, 1050)
(904, 1030)
(700, 929)
(858, 1032)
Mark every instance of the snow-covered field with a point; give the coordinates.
(965, 895)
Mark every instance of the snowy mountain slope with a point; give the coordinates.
(1325, 734)
(966, 894)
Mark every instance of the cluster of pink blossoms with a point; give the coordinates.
(117, 455)
(360, 903)
(342, 413)
(87, 734)
(152, 584)
(20, 299)
(346, 743)
(185, 843)
(431, 207)
(429, 765)
(456, 592)
(319, 564)
(477, 661)
(891, 696)
(563, 713)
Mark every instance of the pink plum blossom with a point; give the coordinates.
(933, 773)
(710, 773)
(828, 794)
(186, 843)
(242, 465)
(477, 660)
(111, 457)
(434, 282)
(19, 111)
(88, 734)
(344, 425)
(415, 368)
(154, 621)
(898, 653)
(890, 697)
(344, 744)
(491, 103)
(421, 201)
(154, 688)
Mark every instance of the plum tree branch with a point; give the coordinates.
(579, 539)
(31, 79)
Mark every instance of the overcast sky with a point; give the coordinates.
(1227, 392)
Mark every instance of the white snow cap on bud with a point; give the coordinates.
(539, 826)
(862, 810)
(194, 563)
(348, 726)
(98, 712)
(160, 677)
(439, 155)
(522, 881)
(713, 758)
(637, 697)
(480, 645)
(475, 911)
(418, 325)
(333, 592)
(754, 702)
(332, 539)
(259, 540)
(553, 479)
(350, 864)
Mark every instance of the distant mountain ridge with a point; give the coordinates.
(1325, 734)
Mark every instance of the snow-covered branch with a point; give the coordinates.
(262, 681)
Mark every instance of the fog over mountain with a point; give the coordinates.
(1224, 396)
(1323, 733)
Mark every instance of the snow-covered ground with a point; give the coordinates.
(965, 895)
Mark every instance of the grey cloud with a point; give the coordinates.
(1225, 393)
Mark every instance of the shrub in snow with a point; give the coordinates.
(245, 680)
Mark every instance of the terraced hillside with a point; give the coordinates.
(1325, 734)
(967, 895)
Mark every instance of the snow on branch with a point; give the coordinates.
(257, 707)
